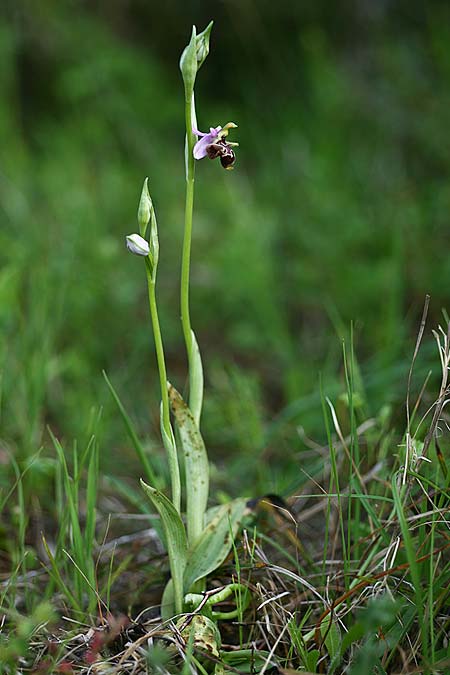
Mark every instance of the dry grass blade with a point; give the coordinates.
(444, 353)
(408, 388)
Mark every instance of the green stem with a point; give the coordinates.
(186, 258)
(170, 447)
(195, 599)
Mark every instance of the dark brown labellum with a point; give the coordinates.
(214, 150)
(223, 150)
(228, 158)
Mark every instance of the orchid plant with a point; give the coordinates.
(198, 543)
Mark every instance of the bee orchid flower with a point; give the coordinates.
(212, 144)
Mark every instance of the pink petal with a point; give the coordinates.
(207, 139)
(201, 145)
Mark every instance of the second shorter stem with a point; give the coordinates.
(174, 468)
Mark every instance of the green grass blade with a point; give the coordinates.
(414, 566)
(150, 476)
(56, 575)
(91, 500)
(70, 488)
(80, 550)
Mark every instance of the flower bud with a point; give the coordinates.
(145, 209)
(137, 244)
(188, 63)
(202, 45)
(194, 56)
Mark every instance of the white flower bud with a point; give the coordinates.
(137, 244)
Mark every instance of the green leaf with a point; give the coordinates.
(311, 660)
(196, 464)
(195, 381)
(215, 542)
(332, 636)
(168, 602)
(175, 540)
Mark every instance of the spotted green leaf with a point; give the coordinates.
(196, 464)
(215, 542)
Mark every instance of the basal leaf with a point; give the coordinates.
(215, 542)
(175, 539)
(168, 602)
(195, 381)
(196, 465)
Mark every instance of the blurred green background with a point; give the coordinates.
(337, 212)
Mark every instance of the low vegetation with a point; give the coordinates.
(316, 542)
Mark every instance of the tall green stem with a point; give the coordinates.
(186, 259)
(168, 440)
